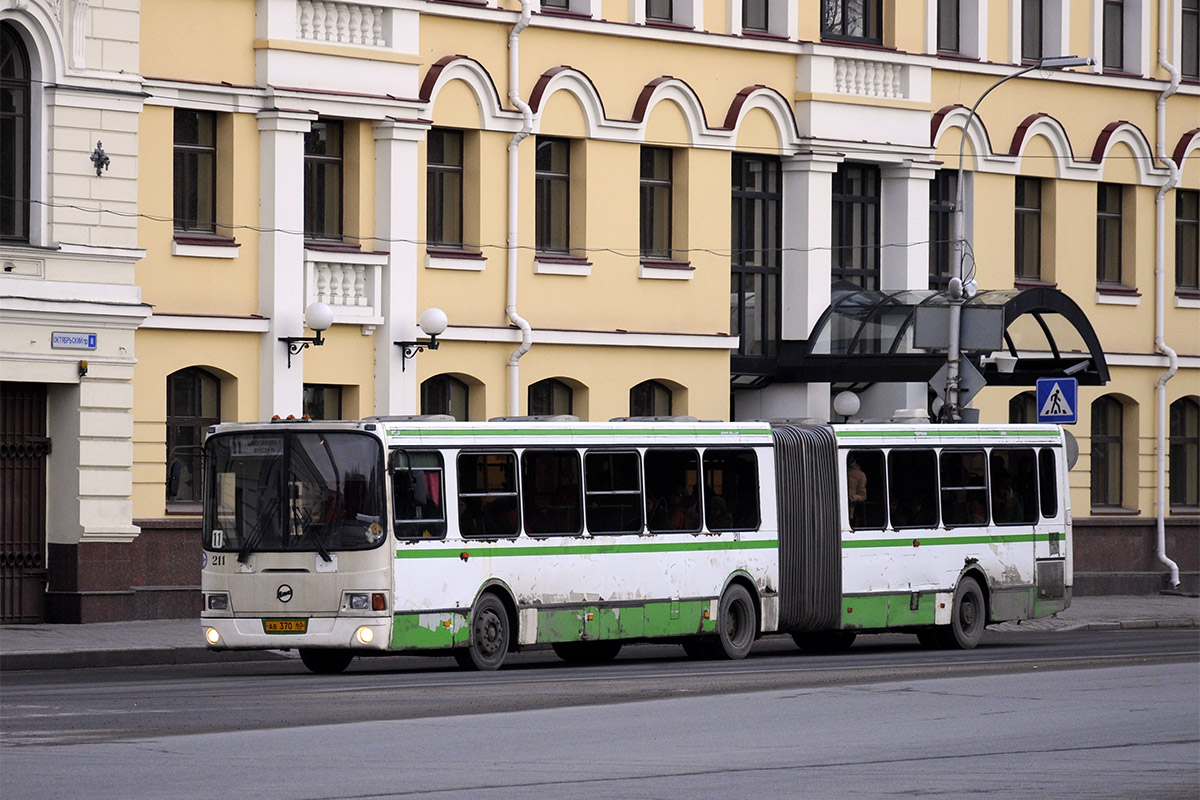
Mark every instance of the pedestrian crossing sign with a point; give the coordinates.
(1058, 400)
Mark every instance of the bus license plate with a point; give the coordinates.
(285, 626)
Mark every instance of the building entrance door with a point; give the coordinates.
(23, 450)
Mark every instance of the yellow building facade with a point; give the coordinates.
(645, 207)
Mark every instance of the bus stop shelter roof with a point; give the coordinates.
(867, 336)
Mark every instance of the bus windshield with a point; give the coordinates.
(293, 491)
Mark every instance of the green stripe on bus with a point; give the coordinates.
(935, 539)
(948, 432)
(482, 550)
(576, 432)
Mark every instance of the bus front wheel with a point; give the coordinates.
(326, 662)
(968, 619)
(737, 623)
(490, 633)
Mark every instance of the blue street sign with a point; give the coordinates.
(1058, 400)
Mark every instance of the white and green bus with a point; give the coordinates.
(478, 539)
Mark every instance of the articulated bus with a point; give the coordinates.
(477, 539)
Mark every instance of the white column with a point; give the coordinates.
(396, 199)
(281, 258)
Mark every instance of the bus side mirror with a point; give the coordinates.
(174, 473)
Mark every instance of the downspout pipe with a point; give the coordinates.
(510, 308)
(1160, 293)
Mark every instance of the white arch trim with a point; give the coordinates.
(773, 104)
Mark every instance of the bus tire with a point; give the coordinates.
(326, 662)
(737, 623)
(968, 619)
(832, 641)
(587, 652)
(490, 634)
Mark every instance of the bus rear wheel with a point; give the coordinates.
(490, 633)
(737, 623)
(968, 618)
(586, 652)
(326, 662)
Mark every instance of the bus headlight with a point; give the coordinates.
(211, 636)
(359, 602)
(365, 635)
(218, 601)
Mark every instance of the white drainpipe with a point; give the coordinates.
(514, 371)
(1160, 293)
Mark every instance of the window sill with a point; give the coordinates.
(455, 259)
(558, 12)
(551, 264)
(331, 246)
(1114, 511)
(856, 41)
(1185, 511)
(194, 246)
(190, 509)
(668, 25)
(1187, 298)
(666, 270)
(1030, 283)
(765, 36)
(1117, 295)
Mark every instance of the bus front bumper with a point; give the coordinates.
(259, 633)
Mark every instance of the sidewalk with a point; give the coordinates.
(178, 641)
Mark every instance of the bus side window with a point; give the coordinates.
(487, 495)
(964, 488)
(912, 488)
(731, 490)
(417, 494)
(1048, 479)
(614, 492)
(672, 490)
(866, 490)
(1013, 484)
(550, 492)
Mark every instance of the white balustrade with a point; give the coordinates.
(341, 23)
(350, 283)
(868, 78)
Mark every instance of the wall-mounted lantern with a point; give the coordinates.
(318, 317)
(433, 324)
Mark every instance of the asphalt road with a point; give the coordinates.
(1065, 714)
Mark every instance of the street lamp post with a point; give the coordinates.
(959, 291)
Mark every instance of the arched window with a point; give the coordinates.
(1107, 452)
(193, 403)
(550, 396)
(1022, 408)
(650, 399)
(15, 90)
(444, 394)
(1184, 476)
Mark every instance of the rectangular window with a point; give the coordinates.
(757, 241)
(672, 490)
(444, 190)
(487, 495)
(558, 5)
(1107, 456)
(660, 10)
(1028, 245)
(731, 490)
(964, 488)
(948, 26)
(323, 181)
(322, 402)
(656, 202)
(1189, 40)
(417, 489)
(195, 170)
(1014, 485)
(1187, 239)
(614, 492)
(1031, 30)
(552, 177)
(866, 490)
(942, 196)
(1114, 35)
(856, 225)
(551, 492)
(1109, 221)
(755, 15)
(1184, 453)
(16, 157)
(1048, 483)
(913, 488)
(852, 19)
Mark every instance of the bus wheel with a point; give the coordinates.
(586, 652)
(968, 618)
(326, 662)
(737, 624)
(834, 641)
(489, 635)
